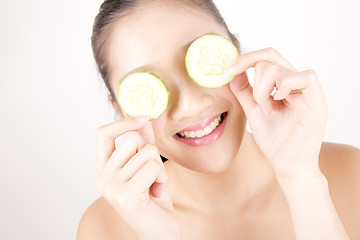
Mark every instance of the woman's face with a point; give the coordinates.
(156, 39)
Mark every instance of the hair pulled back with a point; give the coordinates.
(112, 10)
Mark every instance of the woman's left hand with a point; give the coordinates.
(288, 126)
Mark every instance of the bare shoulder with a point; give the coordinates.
(341, 166)
(340, 163)
(101, 222)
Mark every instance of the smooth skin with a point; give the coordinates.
(278, 182)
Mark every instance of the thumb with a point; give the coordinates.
(243, 91)
(147, 132)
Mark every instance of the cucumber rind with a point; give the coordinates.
(191, 65)
(126, 105)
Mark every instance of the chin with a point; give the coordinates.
(215, 157)
(215, 161)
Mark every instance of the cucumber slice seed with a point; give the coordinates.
(143, 93)
(208, 57)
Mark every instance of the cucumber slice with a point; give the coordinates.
(143, 93)
(208, 57)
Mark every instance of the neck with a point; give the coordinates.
(248, 177)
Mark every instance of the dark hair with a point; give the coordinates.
(112, 10)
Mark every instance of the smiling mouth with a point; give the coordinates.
(205, 131)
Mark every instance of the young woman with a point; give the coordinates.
(278, 182)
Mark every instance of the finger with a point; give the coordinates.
(165, 197)
(248, 60)
(157, 189)
(295, 101)
(147, 132)
(130, 145)
(149, 151)
(266, 75)
(150, 173)
(106, 135)
(258, 85)
(307, 82)
(243, 91)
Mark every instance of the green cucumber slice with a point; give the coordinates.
(208, 57)
(143, 93)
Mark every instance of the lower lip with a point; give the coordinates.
(205, 140)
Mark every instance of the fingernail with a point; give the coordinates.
(277, 95)
(141, 119)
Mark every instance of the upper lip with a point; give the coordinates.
(200, 125)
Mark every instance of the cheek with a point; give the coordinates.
(227, 95)
(162, 142)
(156, 126)
(219, 156)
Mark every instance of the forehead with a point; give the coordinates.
(154, 36)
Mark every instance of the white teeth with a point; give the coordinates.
(200, 133)
(207, 130)
(203, 132)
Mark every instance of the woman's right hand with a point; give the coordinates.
(132, 178)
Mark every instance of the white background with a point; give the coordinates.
(52, 101)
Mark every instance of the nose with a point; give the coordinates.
(188, 100)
